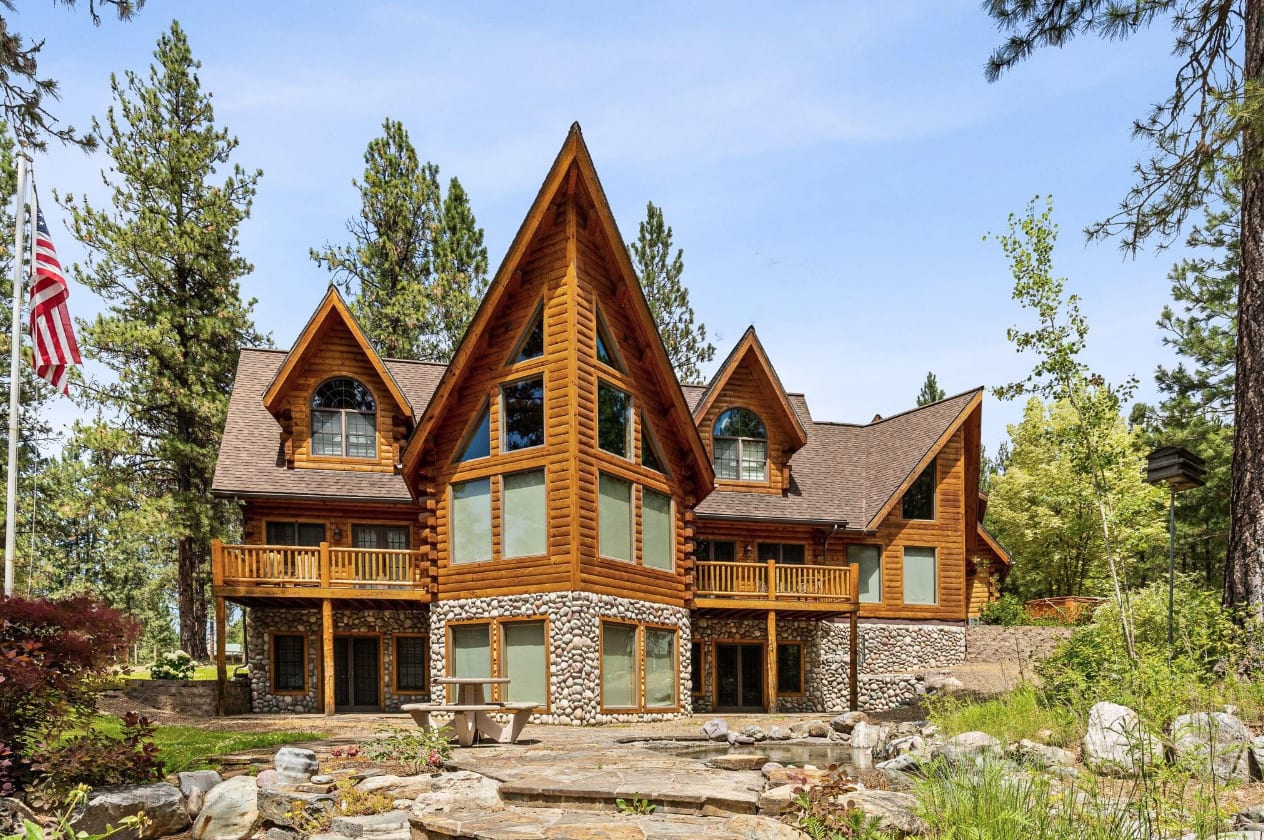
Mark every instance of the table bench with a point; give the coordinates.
(474, 722)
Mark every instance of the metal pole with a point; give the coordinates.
(15, 361)
(1171, 566)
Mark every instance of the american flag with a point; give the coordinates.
(54, 337)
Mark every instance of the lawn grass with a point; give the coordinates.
(1010, 717)
(189, 748)
(200, 672)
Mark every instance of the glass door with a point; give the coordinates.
(739, 677)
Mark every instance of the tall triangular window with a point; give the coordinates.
(607, 352)
(531, 345)
(479, 443)
(650, 455)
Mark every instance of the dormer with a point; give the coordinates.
(337, 404)
(747, 422)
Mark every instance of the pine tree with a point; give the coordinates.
(165, 261)
(460, 274)
(931, 392)
(659, 272)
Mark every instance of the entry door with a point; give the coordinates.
(357, 674)
(739, 677)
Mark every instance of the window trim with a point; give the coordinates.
(425, 671)
(699, 663)
(781, 552)
(342, 423)
(934, 554)
(675, 669)
(629, 428)
(601, 670)
(600, 329)
(803, 656)
(468, 437)
(711, 545)
(739, 441)
(491, 531)
(272, 665)
(537, 314)
(632, 511)
(640, 686)
(449, 650)
(501, 406)
(352, 525)
(933, 469)
(295, 522)
(499, 659)
(881, 564)
(504, 514)
(671, 529)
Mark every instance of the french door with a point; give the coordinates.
(739, 677)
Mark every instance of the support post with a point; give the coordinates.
(327, 653)
(324, 565)
(1171, 567)
(853, 642)
(772, 579)
(15, 361)
(221, 651)
(770, 678)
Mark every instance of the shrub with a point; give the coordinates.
(7, 771)
(1005, 611)
(98, 758)
(174, 665)
(420, 750)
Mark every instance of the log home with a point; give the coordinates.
(554, 507)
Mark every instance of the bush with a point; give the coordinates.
(1005, 611)
(97, 758)
(420, 750)
(174, 665)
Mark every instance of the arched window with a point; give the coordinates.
(344, 419)
(741, 446)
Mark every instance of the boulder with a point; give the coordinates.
(278, 804)
(901, 763)
(866, 736)
(193, 787)
(934, 683)
(295, 765)
(462, 789)
(738, 761)
(769, 767)
(1041, 756)
(717, 729)
(752, 827)
(392, 825)
(795, 776)
(777, 733)
(900, 746)
(229, 811)
(755, 734)
(1116, 744)
(847, 721)
(897, 812)
(970, 747)
(14, 815)
(162, 805)
(737, 738)
(777, 799)
(818, 729)
(267, 778)
(397, 787)
(1218, 742)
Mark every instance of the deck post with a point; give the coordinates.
(327, 646)
(217, 562)
(770, 678)
(772, 578)
(324, 565)
(853, 668)
(221, 650)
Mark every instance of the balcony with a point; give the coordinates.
(281, 571)
(769, 585)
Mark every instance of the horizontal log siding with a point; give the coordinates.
(748, 388)
(257, 513)
(335, 352)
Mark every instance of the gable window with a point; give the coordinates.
(410, 664)
(650, 456)
(614, 517)
(741, 446)
(614, 419)
(471, 521)
(607, 353)
(523, 408)
(788, 553)
(289, 666)
(479, 443)
(869, 559)
(531, 345)
(919, 499)
(919, 576)
(724, 551)
(525, 514)
(295, 533)
(344, 419)
(658, 537)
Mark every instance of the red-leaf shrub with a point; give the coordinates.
(52, 654)
(95, 758)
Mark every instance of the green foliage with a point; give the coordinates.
(183, 748)
(1005, 611)
(174, 665)
(659, 272)
(420, 749)
(165, 261)
(931, 392)
(97, 757)
(1021, 713)
(637, 804)
(416, 266)
(61, 829)
(350, 802)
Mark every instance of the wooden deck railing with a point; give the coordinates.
(323, 565)
(771, 581)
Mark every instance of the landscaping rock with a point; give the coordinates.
(736, 738)
(752, 827)
(716, 729)
(1217, 739)
(796, 776)
(13, 816)
(397, 787)
(777, 733)
(392, 825)
(267, 779)
(896, 811)
(295, 765)
(901, 763)
(462, 789)
(777, 799)
(1116, 744)
(162, 805)
(738, 761)
(769, 767)
(276, 804)
(229, 812)
(280, 834)
(941, 682)
(755, 734)
(900, 746)
(970, 747)
(1042, 756)
(865, 736)
(194, 786)
(847, 721)
(818, 729)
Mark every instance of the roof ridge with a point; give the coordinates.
(917, 408)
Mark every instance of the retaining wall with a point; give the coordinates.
(990, 643)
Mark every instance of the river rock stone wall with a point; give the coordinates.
(574, 645)
(903, 648)
(264, 622)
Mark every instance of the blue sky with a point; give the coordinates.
(829, 169)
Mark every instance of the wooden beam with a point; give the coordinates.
(770, 689)
(327, 654)
(221, 667)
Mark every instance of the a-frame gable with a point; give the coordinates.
(750, 351)
(330, 315)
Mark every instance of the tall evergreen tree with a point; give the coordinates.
(931, 392)
(460, 274)
(165, 261)
(659, 272)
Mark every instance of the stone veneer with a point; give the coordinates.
(263, 622)
(574, 624)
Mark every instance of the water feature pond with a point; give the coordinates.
(783, 752)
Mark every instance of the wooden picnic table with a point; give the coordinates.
(472, 713)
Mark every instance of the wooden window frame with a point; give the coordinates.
(425, 671)
(639, 512)
(711, 553)
(881, 565)
(630, 426)
(933, 469)
(492, 486)
(381, 659)
(645, 707)
(700, 663)
(648, 438)
(600, 328)
(501, 403)
(904, 575)
(272, 668)
(537, 314)
(740, 441)
(715, 677)
(407, 526)
(498, 527)
(639, 687)
(342, 422)
(499, 661)
(324, 523)
(448, 649)
(468, 437)
(633, 508)
(803, 656)
(781, 552)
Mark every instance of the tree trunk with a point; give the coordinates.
(1246, 514)
(192, 601)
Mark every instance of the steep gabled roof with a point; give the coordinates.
(573, 162)
(251, 462)
(331, 307)
(749, 346)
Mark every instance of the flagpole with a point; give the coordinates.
(15, 361)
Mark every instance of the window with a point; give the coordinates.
(289, 664)
(658, 537)
(650, 456)
(525, 513)
(720, 550)
(788, 553)
(607, 352)
(660, 668)
(618, 666)
(531, 345)
(614, 517)
(919, 576)
(471, 521)
(393, 537)
(295, 533)
(695, 668)
(471, 650)
(523, 407)
(479, 443)
(869, 559)
(410, 664)
(741, 446)
(789, 668)
(614, 420)
(344, 419)
(919, 499)
(524, 660)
